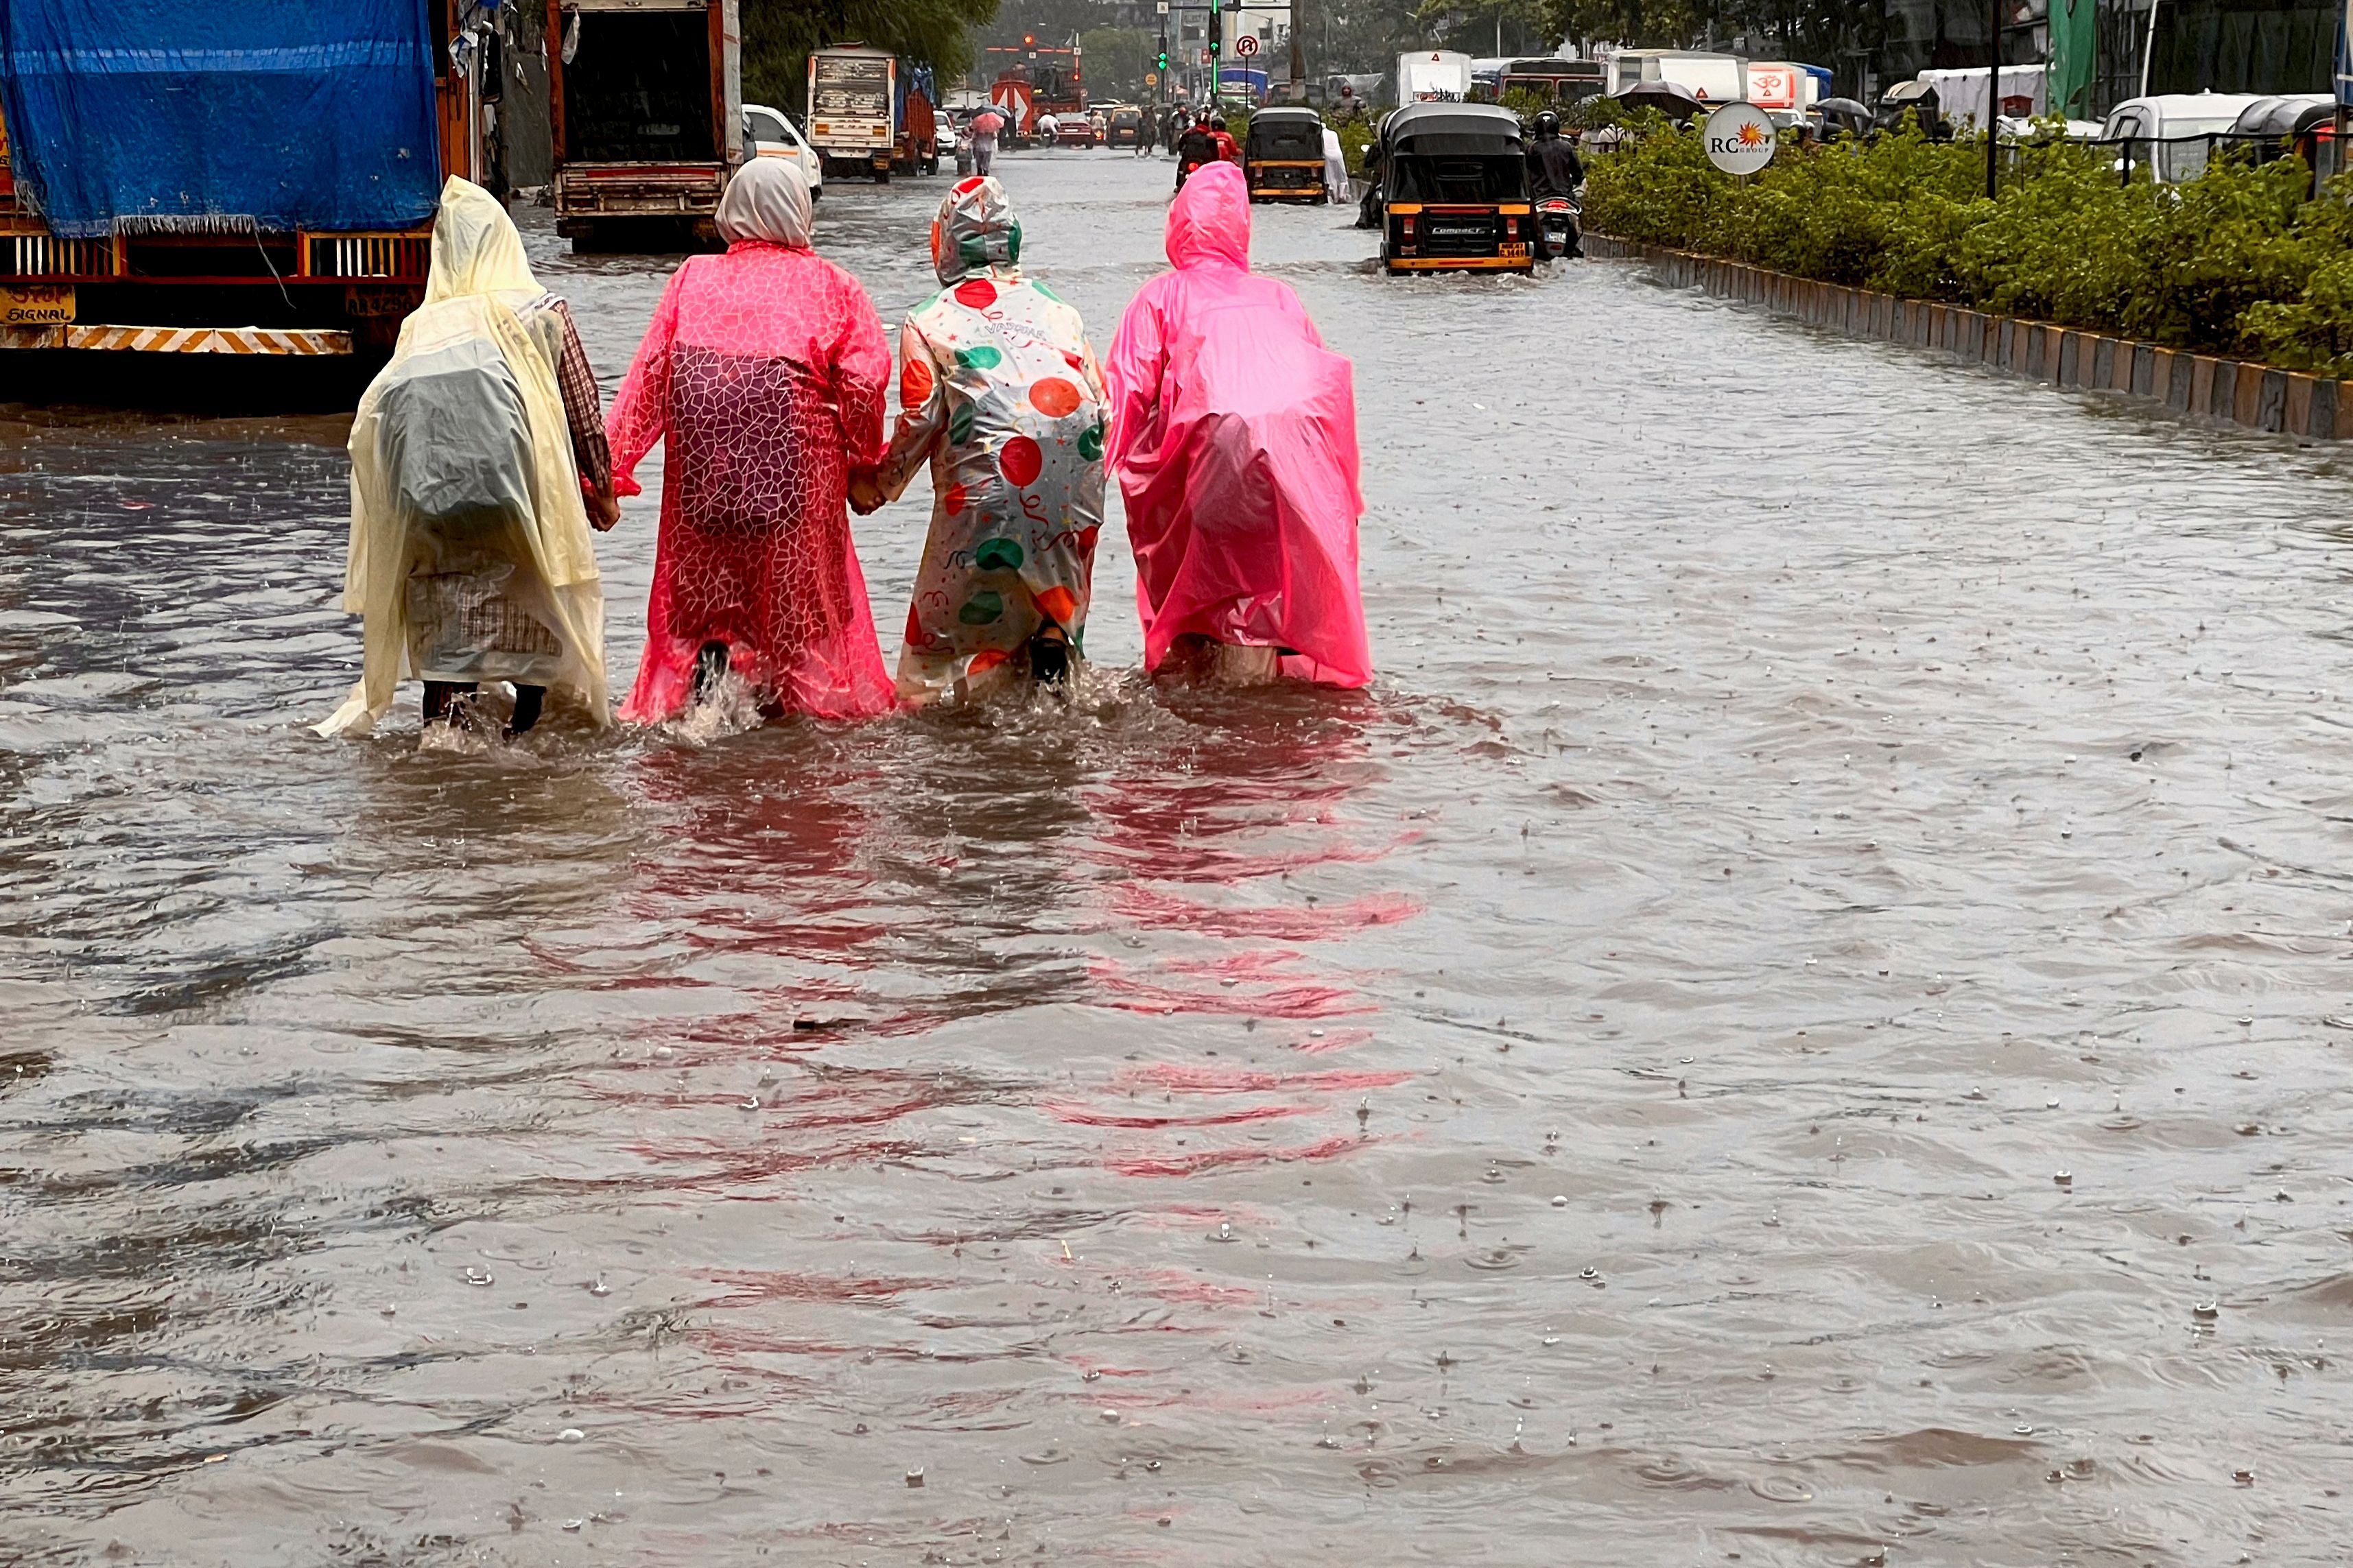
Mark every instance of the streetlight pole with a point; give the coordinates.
(1993, 86)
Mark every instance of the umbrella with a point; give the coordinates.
(1670, 99)
(1843, 114)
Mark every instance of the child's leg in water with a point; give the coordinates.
(709, 665)
(444, 700)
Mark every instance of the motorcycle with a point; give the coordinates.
(1557, 227)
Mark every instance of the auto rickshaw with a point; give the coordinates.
(1454, 190)
(1283, 157)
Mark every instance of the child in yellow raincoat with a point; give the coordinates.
(470, 556)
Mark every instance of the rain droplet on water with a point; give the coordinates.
(476, 1275)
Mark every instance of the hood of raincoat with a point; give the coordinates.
(768, 199)
(1210, 221)
(476, 249)
(975, 230)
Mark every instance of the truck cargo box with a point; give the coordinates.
(220, 116)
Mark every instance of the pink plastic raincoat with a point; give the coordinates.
(764, 369)
(1234, 438)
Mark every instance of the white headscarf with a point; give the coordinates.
(768, 199)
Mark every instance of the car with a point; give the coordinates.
(1073, 130)
(2173, 134)
(771, 133)
(1125, 127)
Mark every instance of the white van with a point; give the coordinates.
(1711, 78)
(2161, 133)
(771, 133)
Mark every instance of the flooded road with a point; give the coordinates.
(1802, 1021)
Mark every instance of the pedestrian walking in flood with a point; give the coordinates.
(764, 373)
(999, 392)
(985, 127)
(477, 456)
(1335, 166)
(1234, 439)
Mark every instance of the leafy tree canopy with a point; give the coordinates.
(779, 36)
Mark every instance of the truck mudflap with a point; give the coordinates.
(179, 339)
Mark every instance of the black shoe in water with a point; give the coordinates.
(1049, 661)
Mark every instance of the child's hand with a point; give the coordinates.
(865, 493)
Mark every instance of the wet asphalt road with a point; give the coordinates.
(1802, 1019)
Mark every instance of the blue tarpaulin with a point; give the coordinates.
(221, 115)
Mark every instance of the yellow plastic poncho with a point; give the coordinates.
(533, 525)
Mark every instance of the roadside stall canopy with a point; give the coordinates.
(221, 116)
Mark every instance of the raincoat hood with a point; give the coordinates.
(768, 199)
(476, 249)
(976, 231)
(1208, 223)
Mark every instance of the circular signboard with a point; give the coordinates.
(1740, 138)
(1246, 44)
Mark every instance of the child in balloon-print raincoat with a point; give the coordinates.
(998, 390)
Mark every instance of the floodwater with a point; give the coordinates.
(1802, 1021)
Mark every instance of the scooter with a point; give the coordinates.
(1556, 226)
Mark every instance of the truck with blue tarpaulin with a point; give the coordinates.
(229, 176)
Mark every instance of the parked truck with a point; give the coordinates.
(210, 177)
(646, 100)
(853, 110)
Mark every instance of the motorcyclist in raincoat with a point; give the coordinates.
(470, 553)
(999, 391)
(1234, 439)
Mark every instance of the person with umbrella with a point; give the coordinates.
(984, 127)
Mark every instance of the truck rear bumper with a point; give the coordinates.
(179, 339)
(637, 190)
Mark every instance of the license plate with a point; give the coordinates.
(36, 304)
(1513, 250)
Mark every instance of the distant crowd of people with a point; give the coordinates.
(481, 466)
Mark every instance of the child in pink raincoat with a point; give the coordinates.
(764, 373)
(1234, 439)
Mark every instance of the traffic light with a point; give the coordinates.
(1160, 63)
(1217, 32)
(1028, 40)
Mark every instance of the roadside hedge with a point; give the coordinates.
(2237, 261)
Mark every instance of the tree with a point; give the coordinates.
(779, 36)
(1475, 25)
(1113, 61)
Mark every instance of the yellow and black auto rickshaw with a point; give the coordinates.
(1454, 190)
(1283, 157)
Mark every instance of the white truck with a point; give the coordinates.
(853, 101)
(1711, 78)
(1429, 76)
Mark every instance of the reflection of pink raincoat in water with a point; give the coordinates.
(764, 369)
(1234, 437)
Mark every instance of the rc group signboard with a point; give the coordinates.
(1740, 138)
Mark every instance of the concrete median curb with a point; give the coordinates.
(2224, 391)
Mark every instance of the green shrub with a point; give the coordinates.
(2237, 261)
